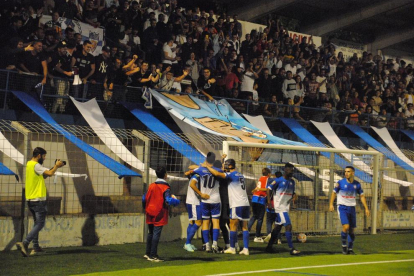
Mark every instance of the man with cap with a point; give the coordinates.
(103, 63)
(59, 67)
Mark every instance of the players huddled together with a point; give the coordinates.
(217, 200)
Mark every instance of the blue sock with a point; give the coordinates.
(233, 238)
(289, 239)
(216, 233)
(188, 233)
(344, 237)
(246, 239)
(205, 236)
(351, 239)
(191, 230)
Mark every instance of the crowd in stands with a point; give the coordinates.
(161, 45)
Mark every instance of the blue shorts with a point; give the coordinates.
(240, 213)
(347, 215)
(210, 210)
(282, 219)
(194, 212)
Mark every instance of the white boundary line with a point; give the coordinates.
(306, 267)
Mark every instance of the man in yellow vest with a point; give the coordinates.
(36, 197)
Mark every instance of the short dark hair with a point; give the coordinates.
(211, 157)
(278, 174)
(39, 150)
(217, 164)
(350, 167)
(87, 42)
(289, 165)
(230, 162)
(161, 171)
(69, 29)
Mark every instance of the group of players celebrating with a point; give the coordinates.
(217, 194)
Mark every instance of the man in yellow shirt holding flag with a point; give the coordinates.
(36, 197)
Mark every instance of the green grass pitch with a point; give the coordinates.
(386, 254)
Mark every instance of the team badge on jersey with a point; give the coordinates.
(354, 186)
(346, 186)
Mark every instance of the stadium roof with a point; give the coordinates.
(381, 24)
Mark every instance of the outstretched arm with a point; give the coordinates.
(216, 173)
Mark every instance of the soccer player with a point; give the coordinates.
(208, 190)
(225, 208)
(194, 216)
(346, 189)
(283, 189)
(259, 204)
(239, 204)
(271, 215)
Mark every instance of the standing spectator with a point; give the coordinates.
(377, 103)
(300, 88)
(69, 10)
(278, 84)
(207, 83)
(237, 25)
(264, 83)
(321, 80)
(34, 62)
(84, 62)
(167, 81)
(9, 56)
(249, 79)
(90, 14)
(59, 64)
(271, 109)
(156, 201)
(99, 79)
(35, 194)
(195, 67)
(289, 87)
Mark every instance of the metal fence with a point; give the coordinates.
(103, 193)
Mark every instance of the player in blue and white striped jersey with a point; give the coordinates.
(283, 190)
(239, 204)
(346, 190)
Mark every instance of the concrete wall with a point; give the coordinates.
(63, 231)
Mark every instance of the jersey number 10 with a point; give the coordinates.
(208, 181)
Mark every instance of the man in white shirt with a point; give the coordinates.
(322, 82)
